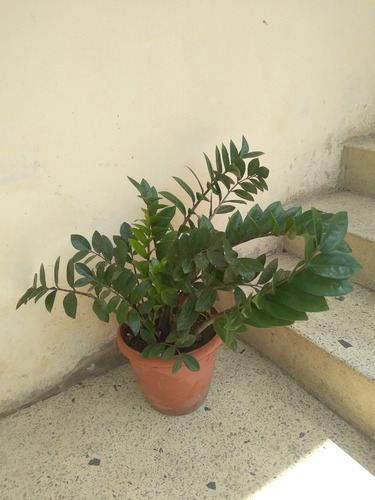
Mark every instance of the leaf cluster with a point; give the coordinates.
(159, 276)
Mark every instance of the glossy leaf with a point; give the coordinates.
(335, 232)
(191, 363)
(173, 199)
(134, 321)
(70, 304)
(50, 300)
(206, 299)
(185, 187)
(334, 265)
(122, 312)
(70, 273)
(298, 300)
(100, 309)
(268, 272)
(80, 242)
(318, 285)
(42, 276)
(177, 364)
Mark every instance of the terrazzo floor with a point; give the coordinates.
(257, 436)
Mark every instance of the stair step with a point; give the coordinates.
(361, 230)
(332, 354)
(358, 165)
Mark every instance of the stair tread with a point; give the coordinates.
(360, 210)
(364, 142)
(347, 330)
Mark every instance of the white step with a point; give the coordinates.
(358, 165)
(257, 435)
(332, 354)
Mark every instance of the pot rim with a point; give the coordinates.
(200, 353)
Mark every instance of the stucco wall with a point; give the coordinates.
(92, 91)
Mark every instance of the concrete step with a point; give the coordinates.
(361, 231)
(332, 355)
(258, 435)
(358, 165)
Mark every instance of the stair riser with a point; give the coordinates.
(363, 251)
(358, 167)
(341, 388)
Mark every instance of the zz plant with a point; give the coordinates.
(175, 251)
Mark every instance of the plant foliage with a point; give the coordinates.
(174, 250)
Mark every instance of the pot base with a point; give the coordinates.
(173, 394)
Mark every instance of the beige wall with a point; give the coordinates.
(92, 91)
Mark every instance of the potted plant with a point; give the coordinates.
(161, 275)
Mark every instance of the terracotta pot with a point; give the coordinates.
(173, 394)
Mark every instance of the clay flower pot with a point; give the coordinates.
(178, 393)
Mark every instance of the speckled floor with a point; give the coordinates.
(258, 435)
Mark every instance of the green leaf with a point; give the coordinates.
(134, 321)
(268, 272)
(225, 209)
(177, 364)
(321, 286)
(253, 167)
(50, 300)
(247, 266)
(113, 303)
(335, 232)
(107, 248)
(125, 231)
(173, 199)
(263, 172)
(231, 274)
(168, 353)
(97, 242)
(191, 363)
(100, 309)
(83, 270)
(121, 253)
(122, 312)
(139, 248)
(273, 308)
(201, 261)
(225, 156)
(219, 164)
(233, 151)
(156, 350)
(310, 247)
(188, 316)
(139, 292)
(318, 225)
(227, 336)
(298, 300)
(70, 305)
(25, 297)
(263, 320)
(209, 167)
(206, 299)
(185, 187)
(80, 242)
(244, 194)
(334, 265)
(70, 273)
(253, 154)
(42, 276)
(56, 271)
(249, 186)
(239, 296)
(199, 182)
(244, 147)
